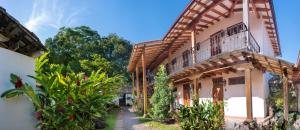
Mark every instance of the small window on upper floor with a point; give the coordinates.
(174, 61)
(197, 47)
(235, 29)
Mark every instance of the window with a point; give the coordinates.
(236, 80)
(217, 81)
(235, 29)
(173, 63)
(197, 47)
(185, 57)
(215, 42)
(167, 68)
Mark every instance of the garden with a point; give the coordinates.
(164, 116)
(76, 80)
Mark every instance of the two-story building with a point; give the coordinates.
(218, 50)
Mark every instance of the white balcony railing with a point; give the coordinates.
(203, 52)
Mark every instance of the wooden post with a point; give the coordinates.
(193, 39)
(285, 96)
(133, 80)
(195, 88)
(246, 20)
(144, 82)
(248, 88)
(138, 87)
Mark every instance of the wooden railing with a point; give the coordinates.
(203, 51)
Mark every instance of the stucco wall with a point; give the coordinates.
(257, 29)
(234, 95)
(267, 46)
(15, 113)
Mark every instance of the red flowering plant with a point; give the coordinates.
(69, 100)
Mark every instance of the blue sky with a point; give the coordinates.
(134, 20)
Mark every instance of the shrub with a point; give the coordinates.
(69, 100)
(202, 116)
(162, 97)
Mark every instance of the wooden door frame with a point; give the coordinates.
(218, 82)
(186, 98)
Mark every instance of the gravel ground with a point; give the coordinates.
(127, 120)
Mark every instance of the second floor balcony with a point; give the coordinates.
(217, 44)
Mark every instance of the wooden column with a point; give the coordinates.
(285, 95)
(246, 20)
(248, 88)
(133, 80)
(144, 82)
(193, 40)
(138, 86)
(195, 84)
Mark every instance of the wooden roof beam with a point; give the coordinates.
(183, 23)
(255, 9)
(205, 11)
(194, 11)
(188, 17)
(201, 4)
(212, 17)
(251, 9)
(230, 12)
(219, 13)
(202, 26)
(234, 58)
(224, 6)
(206, 21)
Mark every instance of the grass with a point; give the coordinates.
(111, 120)
(158, 125)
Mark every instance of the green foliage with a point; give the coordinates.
(84, 50)
(96, 63)
(70, 100)
(275, 98)
(162, 96)
(202, 116)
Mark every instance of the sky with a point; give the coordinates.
(134, 20)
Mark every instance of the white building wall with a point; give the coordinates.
(257, 29)
(16, 113)
(266, 48)
(234, 95)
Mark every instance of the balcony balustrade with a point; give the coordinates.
(203, 50)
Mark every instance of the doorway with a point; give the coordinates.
(218, 92)
(215, 43)
(186, 95)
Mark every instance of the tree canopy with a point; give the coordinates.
(84, 50)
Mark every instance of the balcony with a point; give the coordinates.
(204, 50)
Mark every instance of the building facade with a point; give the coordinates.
(217, 50)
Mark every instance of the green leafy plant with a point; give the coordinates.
(67, 100)
(162, 96)
(202, 116)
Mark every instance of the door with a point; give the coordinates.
(215, 43)
(185, 57)
(186, 95)
(217, 92)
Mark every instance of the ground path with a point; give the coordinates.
(128, 120)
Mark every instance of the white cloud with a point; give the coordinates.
(51, 13)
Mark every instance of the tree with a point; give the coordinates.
(162, 96)
(95, 63)
(79, 47)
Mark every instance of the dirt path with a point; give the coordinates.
(127, 120)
